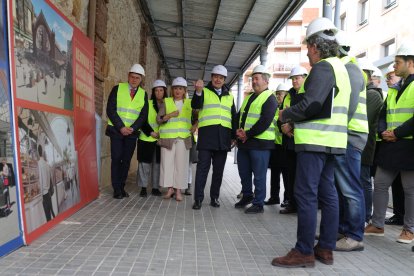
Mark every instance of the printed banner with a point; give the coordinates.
(54, 104)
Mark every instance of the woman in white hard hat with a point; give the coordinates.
(174, 117)
(149, 152)
(127, 110)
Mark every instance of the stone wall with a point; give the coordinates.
(123, 47)
(118, 42)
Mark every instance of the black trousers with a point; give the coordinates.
(47, 206)
(205, 158)
(122, 150)
(275, 170)
(398, 197)
(290, 185)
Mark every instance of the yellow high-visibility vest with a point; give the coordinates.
(401, 111)
(254, 112)
(177, 127)
(215, 111)
(330, 132)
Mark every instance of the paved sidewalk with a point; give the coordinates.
(152, 236)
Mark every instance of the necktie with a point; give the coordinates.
(132, 93)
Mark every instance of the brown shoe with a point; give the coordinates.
(372, 230)
(294, 259)
(325, 256)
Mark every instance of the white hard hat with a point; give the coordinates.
(365, 64)
(377, 73)
(260, 69)
(318, 26)
(342, 39)
(406, 49)
(138, 69)
(298, 71)
(219, 70)
(283, 87)
(390, 69)
(179, 82)
(159, 83)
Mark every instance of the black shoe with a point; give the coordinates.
(394, 220)
(187, 191)
(143, 192)
(156, 192)
(272, 201)
(240, 195)
(288, 210)
(197, 205)
(214, 202)
(254, 209)
(244, 201)
(118, 195)
(124, 193)
(285, 203)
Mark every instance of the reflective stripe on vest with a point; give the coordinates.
(215, 111)
(402, 110)
(254, 112)
(279, 135)
(177, 127)
(152, 121)
(128, 110)
(331, 132)
(359, 120)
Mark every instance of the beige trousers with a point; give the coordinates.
(174, 166)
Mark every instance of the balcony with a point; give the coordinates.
(287, 43)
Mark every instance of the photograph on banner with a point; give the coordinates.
(43, 54)
(9, 215)
(49, 165)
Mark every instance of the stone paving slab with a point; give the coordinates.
(151, 236)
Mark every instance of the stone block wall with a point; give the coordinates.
(121, 39)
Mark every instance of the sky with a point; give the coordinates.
(62, 29)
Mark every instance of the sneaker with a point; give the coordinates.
(285, 203)
(371, 230)
(406, 236)
(347, 244)
(240, 195)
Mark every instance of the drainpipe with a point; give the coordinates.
(337, 21)
(238, 105)
(327, 9)
(92, 19)
(98, 128)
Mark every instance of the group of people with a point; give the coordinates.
(327, 135)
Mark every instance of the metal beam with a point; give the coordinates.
(196, 65)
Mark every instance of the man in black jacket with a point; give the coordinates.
(216, 122)
(127, 110)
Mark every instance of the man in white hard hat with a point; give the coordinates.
(297, 75)
(374, 104)
(278, 164)
(127, 110)
(396, 154)
(376, 77)
(256, 136)
(398, 209)
(216, 125)
(348, 165)
(320, 120)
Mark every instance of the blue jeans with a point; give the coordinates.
(350, 193)
(315, 180)
(253, 163)
(367, 185)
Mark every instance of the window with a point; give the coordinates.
(342, 22)
(388, 48)
(363, 12)
(361, 55)
(389, 3)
